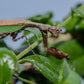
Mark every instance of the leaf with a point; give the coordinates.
(35, 31)
(73, 78)
(70, 25)
(80, 24)
(50, 23)
(71, 47)
(7, 65)
(19, 67)
(64, 71)
(2, 43)
(4, 29)
(44, 65)
(36, 35)
(41, 18)
(78, 65)
(26, 32)
(79, 29)
(79, 11)
(67, 76)
(32, 39)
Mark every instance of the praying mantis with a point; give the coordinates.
(42, 27)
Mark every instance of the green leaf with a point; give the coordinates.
(44, 65)
(19, 67)
(64, 71)
(7, 65)
(71, 47)
(73, 78)
(78, 31)
(67, 76)
(79, 11)
(41, 18)
(4, 29)
(36, 35)
(35, 31)
(26, 32)
(80, 24)
(78, 65)
(2, 43)
(32, 39)
(70, 25)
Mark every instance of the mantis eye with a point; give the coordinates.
(52, 30)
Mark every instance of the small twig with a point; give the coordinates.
(24, 80)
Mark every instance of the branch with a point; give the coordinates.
(24, 80)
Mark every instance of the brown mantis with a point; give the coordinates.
(42, 27)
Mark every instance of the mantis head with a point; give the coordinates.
(54, 31)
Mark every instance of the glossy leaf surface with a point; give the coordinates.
(7, 65)
(44, 65)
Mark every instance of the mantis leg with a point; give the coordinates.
(4, 35)
(44, 35)
(53, 51)
(24, 36)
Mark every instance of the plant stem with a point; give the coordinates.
(24, 80)
(65, 22)
(68, 19)
(28, 49)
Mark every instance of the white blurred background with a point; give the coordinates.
(14, 9)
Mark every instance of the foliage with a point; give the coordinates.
(50, 70)
(7, 65)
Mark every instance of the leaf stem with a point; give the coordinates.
(65, 22)
(24, 80)
(28, 49)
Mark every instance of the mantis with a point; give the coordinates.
(42, 27)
